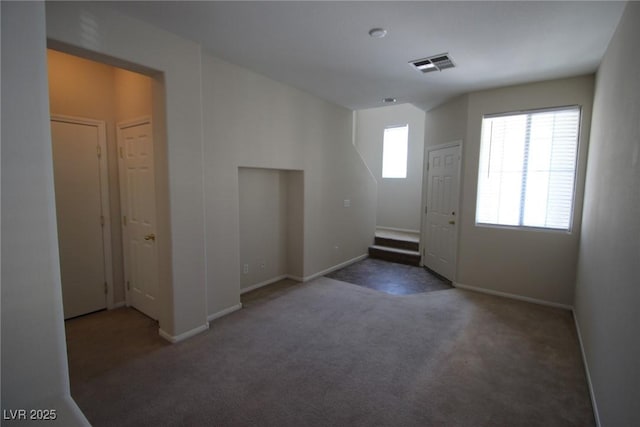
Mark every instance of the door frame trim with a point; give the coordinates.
(105, 206)
(425, 190)
(120, 126)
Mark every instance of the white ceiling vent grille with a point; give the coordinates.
(433, 63)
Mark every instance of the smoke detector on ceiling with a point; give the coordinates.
(433, 63)
(377, 33)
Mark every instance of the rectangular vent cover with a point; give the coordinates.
(433, 63)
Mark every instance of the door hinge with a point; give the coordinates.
(426, 208)
(124, 220)
(99, 151)
(120, 150)
(128, 286)
(428, 165)
(102, 220)
(105, 288)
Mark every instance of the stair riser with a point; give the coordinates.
(395, 257)
(400, 244)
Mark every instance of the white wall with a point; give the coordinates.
(133, 95)
(34, 362)
(83, 88)
(536, 264)
(608, 284)
(399, 200)
(529, 263)
(251, 121)
(446, 123)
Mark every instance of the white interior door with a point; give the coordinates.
(137, 187)
(77, 177)
(440, 234)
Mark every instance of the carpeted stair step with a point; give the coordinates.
(409, 245)
(401, 256)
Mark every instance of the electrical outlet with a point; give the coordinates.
(263, 264)
(245, 268)
(347, 203)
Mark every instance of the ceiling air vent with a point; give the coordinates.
(433, 63)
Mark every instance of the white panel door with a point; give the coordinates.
(441, 210)
(76, 168)
(137, 188)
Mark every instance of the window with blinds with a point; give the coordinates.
(527, 168)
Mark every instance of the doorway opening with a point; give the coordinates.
(110, 175)
(94, 195)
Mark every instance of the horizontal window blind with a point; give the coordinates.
(527, 168)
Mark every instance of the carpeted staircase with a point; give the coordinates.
(400, 247)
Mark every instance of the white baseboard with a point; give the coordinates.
(513, 296)
(305, 278)
(403, 230)
(224, 312)
(183, 336)
(596, 414)
(261, 284)
(330, 269)
(118, 305)
(268, 282)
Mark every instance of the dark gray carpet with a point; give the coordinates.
(390, 277)
(101, 342)
(328, 353)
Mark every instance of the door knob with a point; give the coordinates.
(150, 237)
(452, 222)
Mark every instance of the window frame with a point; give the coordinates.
(406, 160)
(576, 170)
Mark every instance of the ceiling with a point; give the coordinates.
(324, 48)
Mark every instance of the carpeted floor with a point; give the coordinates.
(328, 353)
(390, 277)
(100, 343)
